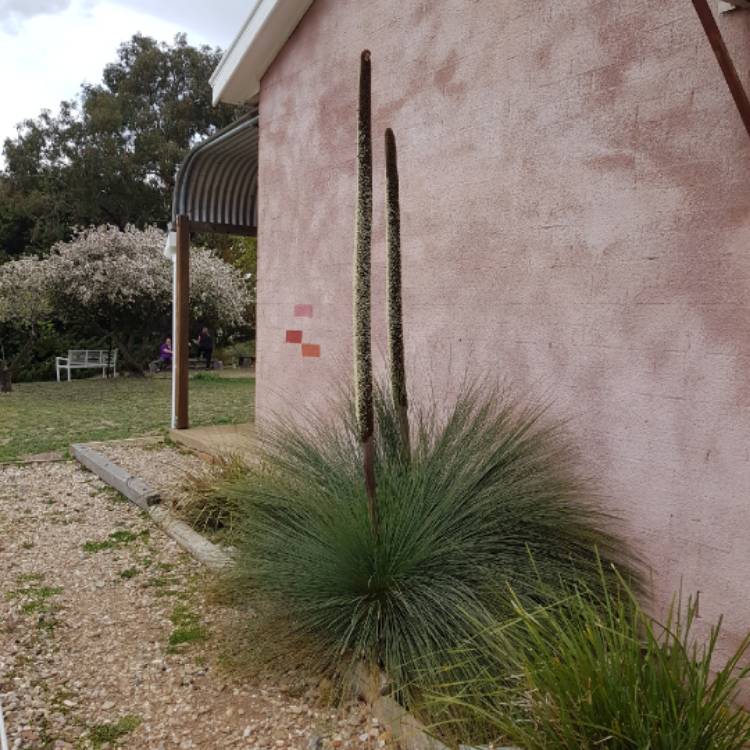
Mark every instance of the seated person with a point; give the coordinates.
(165, 352)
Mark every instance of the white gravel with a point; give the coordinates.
(84, 635)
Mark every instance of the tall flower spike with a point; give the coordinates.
(395, 313)
(362, 289)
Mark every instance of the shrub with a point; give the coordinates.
(490, 497)
(114, 287)
(577, 674)
(207, 501)
(231, 353)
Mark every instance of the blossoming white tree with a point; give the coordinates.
(116, 286)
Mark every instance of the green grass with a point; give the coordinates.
(36, 598)
(115, 539)
(41, 417)
(109, 734)
(187, 628)
(583, 675)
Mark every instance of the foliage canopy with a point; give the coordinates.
(109, 156)
(116, 286)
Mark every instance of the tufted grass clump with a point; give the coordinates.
(490, 497)
(596, 672)
(206, 500)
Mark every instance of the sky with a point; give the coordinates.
(49, 47)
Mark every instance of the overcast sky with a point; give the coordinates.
(49, 47)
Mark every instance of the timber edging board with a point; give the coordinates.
(406, 729)
(147, 499)
(208, 553)
(134, 488)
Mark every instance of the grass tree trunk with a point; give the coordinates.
(362, 293)
(395, 313)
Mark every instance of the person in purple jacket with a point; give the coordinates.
(165, 352)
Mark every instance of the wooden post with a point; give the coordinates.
(181, 341)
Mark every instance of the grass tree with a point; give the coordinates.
(491, 497)
(395, 313)
(362, 288)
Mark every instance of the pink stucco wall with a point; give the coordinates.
(576, 218)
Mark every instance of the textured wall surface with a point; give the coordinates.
(576, 220)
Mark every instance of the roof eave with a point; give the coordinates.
(268, 26)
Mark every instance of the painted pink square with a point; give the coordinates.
(303, 311)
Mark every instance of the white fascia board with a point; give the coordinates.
(266, 30)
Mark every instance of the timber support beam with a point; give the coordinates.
(181, 341)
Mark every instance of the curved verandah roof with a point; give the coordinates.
(216, 186)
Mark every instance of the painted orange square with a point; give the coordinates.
(294, 337)
(310, 350)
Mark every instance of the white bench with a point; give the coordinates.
(80, 359)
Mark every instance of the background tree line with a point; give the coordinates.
(109, 157)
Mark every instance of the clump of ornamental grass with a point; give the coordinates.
(595, 671)
(207, 501)
(490, 497)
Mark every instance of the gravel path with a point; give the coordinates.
(106, 636)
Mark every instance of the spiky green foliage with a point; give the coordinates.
(362, 288)
(596, 672)
(489, 487)
(395, 313)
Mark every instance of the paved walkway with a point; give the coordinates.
(106, 639)
(219, 440)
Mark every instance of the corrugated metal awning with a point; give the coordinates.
(217, 184)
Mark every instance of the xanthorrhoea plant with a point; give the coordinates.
(491, 498)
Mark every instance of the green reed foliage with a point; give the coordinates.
(590, 672)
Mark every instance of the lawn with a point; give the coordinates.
(40, 417)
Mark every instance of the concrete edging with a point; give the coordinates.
(147, 499)
(134, 488)
(208, 553)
